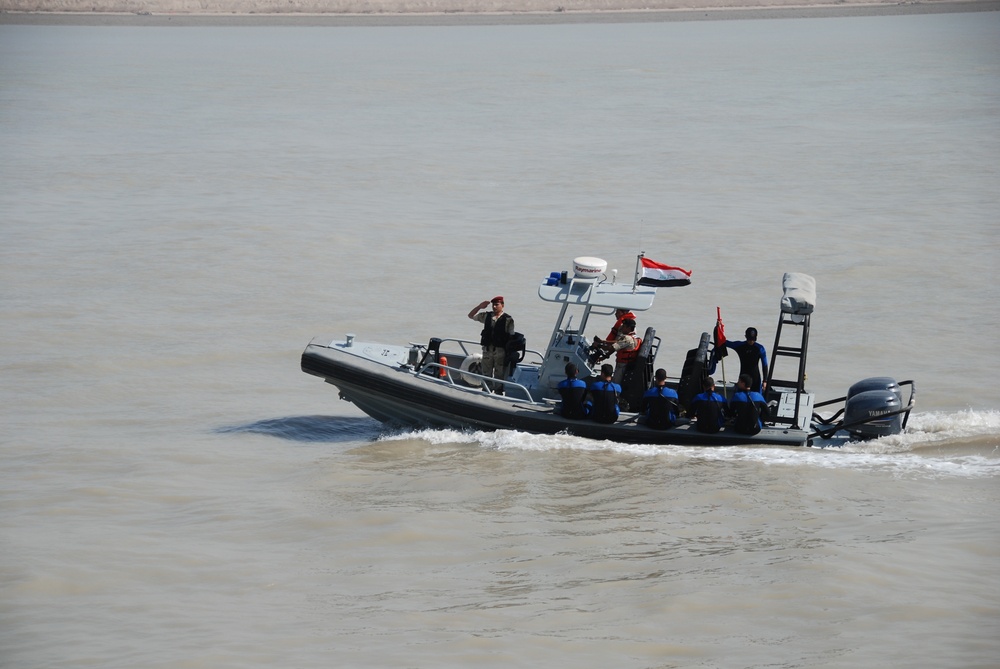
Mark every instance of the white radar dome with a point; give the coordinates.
(586, 267)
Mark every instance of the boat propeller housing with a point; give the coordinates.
(870, 398)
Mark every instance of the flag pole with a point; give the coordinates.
(635, 279)
(725, 391)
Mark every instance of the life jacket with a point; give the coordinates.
(605, 396)
(623, 357)
(661, 411)
(495, 332)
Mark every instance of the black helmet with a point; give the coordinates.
(751, 333)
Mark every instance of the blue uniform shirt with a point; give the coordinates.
(740, 407)
(572, 392)
(705, 405)
(660, 414)
(604, 408)
(750, 355)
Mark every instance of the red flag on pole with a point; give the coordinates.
(720, 335)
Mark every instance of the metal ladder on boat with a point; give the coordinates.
(783, 389)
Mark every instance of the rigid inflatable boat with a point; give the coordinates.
(439, 384)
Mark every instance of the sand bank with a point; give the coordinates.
(408, 12)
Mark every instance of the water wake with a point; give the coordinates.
(963, 444)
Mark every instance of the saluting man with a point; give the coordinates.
(497, 329)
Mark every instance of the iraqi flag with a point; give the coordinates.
(659, 275)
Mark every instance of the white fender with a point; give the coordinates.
(474, 364)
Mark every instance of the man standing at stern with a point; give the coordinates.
(753, 359)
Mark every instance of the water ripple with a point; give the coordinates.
(311, 428)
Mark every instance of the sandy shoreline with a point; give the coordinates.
(447, 12)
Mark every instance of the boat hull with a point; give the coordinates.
(391, 391)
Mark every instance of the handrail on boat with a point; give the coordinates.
(483, 381)
(477, 345)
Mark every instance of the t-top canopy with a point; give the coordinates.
(589, 293)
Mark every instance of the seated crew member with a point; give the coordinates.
(748, 407)
(497, 329)
(603, 403)
(573, 392)
(659, 403)
(708, 409)
(753, 359)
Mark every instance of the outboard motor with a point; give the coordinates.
(876, 383)
(869, 399)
